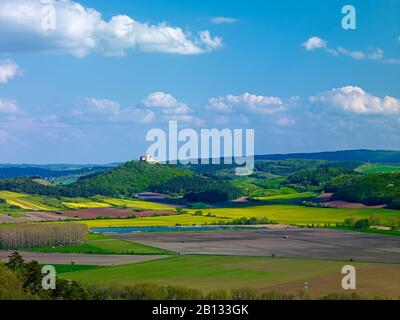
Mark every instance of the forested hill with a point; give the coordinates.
(125, 180)
(374, 156)
(132, 177)
(128, 179)
(370, 189)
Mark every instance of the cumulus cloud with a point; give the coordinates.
(223, 20)
(251, 102)
(8, 106)
(356, 100)
(167, 107)
(377, 54)
(104, 106)
(93, 109)
(314, 43)
(155, 107)
(26, 25)
(8, 70)
(165, 102)
(210, 42)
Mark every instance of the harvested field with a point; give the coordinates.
(112, 213)
(159, 198)
(32, 217)
(351, 205)
(304, 243)
(325, 198)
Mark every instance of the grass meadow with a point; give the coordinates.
(285, 214)
(231, 272)
(100, 244)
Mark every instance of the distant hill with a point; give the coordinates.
(58, 166)
(18, 171)
(374, 156)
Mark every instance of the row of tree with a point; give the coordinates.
(42, 235)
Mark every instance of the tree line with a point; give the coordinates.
(22, 236)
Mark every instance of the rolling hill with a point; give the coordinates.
(374, 156)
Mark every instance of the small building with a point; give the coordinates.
(148, 159)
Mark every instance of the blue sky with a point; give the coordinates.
(89, 90)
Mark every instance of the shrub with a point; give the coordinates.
(244, 294)
(362, 224)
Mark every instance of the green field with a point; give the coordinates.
(100, 244)
(30, 202)
(278, 198)
(135, 204)
(300, 215)
(286, 214)
(377, 168)
(65, 268)
(232, 272)
(173, 220)
(41, 203)
(82, 203)
(256, 188)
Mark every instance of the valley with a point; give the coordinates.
(292, 221)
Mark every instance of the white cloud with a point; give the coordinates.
(391, 61)
(8, 106)
(156, 106)
(167, 108)
(104, 106)
(376, 54)
(373, 54)
(223, 20)
(136, 115)
(166, 102)
(284, 122)
(314, 43)
(80, 31)
(8, 70)
(251, 102)
(210, 42)
(356, 100)
(93, 109)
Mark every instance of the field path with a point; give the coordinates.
(82, 259)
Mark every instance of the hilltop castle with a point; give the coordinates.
(148, 159)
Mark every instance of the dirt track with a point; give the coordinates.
(32, 217)
(81, 259)
(307, 243)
